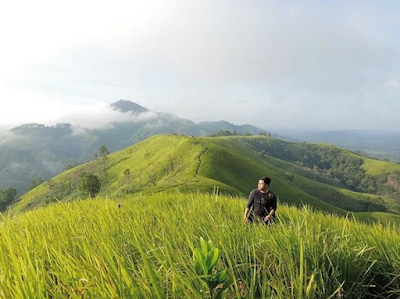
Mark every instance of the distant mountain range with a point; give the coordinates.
(31, 152)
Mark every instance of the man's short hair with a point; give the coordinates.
(266, 180)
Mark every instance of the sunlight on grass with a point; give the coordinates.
(144, 249)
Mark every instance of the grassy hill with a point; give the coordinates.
(146, 248)
(349, 169)
(295, 151)
(30, 151)
(380, 144)
(230, 164)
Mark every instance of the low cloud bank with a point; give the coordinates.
(100, 116)
(90, 116)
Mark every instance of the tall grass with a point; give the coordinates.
(93, 249)
(200, 164)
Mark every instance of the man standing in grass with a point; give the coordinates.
(262, 203)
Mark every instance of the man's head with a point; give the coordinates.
(263, 183)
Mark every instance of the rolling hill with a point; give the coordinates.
(32, 151)
(141, 237)
(383, 145)
(233, 165)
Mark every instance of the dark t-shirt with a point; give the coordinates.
(262, 203)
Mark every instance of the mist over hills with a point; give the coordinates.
(32, 151)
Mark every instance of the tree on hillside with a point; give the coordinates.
(90, 184)
(103, 152)
(262, 133)
(7, 196)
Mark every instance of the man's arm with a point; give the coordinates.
(246, 214)
(248, 206)
(273, 207)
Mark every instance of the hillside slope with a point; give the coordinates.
(348, 169)
(185, 164)
(30, 151)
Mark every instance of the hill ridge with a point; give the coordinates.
(199, 157)
(182, 163)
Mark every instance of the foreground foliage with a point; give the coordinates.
(144, 248)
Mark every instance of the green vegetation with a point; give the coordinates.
(151, 244)
(379, 167)
(383, 145)
(356, 172)
(90, 184)
(36, 150)
(320, 187)
(206, 256)
(181, 163)
(145, 249)
(33, 151)
(7, 196)
(103, 152)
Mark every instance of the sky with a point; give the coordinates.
(320, 65)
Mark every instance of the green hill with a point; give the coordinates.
(384, 145)
(146, 249)
(349, 169)
(186, 164)
(30, 151)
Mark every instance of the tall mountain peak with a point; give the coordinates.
(128, 106)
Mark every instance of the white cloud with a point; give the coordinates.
(84, 112)
(100, 115)
(204, 60)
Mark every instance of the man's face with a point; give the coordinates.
(261, 185)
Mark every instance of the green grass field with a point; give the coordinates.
(183, 164)
(145, 249)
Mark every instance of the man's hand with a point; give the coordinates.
(246, 215)
(268, 217)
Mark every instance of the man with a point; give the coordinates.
(262, 202)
